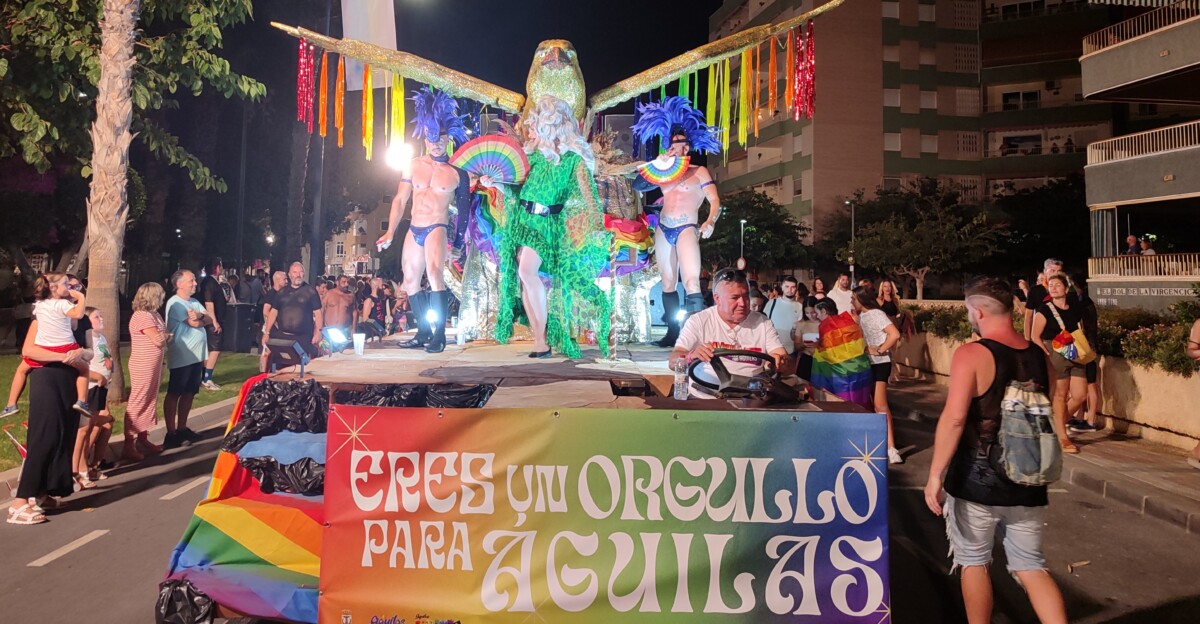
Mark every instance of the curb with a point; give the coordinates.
(1143, 498)
(201, 419)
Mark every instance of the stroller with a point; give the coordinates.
(21, 450)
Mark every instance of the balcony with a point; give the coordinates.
(1150, 282)
(1149, 58)
(1156, 165)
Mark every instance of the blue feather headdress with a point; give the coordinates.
(437, 115)
(674, 116)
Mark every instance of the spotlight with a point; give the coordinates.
(680, 315)
(431, 316)
(399, 155)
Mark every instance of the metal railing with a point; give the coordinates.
(1140, 25)
(996, 14)
(1160, 265)
(1180, 136)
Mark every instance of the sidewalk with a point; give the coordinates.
(1152, 479)
(201, 418)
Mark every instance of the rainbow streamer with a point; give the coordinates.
(368, 109)
(339, 96)
(257, 554)
(772, 87)
(840, 364)
(757, 86)
(323, 101)
(710, 102)
(683, 86)
(791, 60)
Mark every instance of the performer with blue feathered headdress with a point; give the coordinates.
(433, 184)
(680, 129)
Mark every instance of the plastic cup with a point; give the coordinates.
(360, 343)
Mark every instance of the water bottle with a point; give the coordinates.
(680, 391)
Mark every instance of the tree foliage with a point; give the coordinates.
(774, 239)
(926, 229)
(49, 69)
(1045, 221)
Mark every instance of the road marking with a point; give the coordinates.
(68, 548)
(922, 488)
(181, 490)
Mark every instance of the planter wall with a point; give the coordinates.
(1135, 400)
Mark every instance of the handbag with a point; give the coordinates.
(1072, 346)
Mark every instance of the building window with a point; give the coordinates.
(927, 13)
(929, 144)
(1020, 100)
(929, 99)
(340, 249)
(968, 145)
(891, 53)
(383, 226)
(891, 97)
(891, 183)
(928, 55)
(891, 9)
(966, 14)
(1147, 109)
(891, 141)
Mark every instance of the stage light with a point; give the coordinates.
(399, 155)
(336, 335)
(431, 316)
(680, 315)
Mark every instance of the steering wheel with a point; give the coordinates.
(765, 386)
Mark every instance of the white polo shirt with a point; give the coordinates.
(841, 298)
(756, 333)
(784, 314)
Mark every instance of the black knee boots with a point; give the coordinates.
(419, 303)
(440, 305)
(670, 302)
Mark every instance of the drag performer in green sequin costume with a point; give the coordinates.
(557, 229)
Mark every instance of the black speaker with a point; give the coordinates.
(236, 329)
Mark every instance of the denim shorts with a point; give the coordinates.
(971, 529)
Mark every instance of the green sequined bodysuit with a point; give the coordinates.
(574, 248)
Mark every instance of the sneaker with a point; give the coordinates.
(894, 456)
(83, 408)
(172, 440)
(1081, 426)
(189, 435)
(9, 411)
(209, 385)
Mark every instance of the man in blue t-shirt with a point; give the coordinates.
(186, 354)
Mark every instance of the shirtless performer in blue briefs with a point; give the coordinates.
(433, 184)
(684, 187)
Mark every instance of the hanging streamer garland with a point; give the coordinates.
(744, 95)
(304, 84)
(789, 73)
(772, 87)
(339, 94)
(368, 108)
(710, 103)
(757, 82)
(323, 101)
(397, 115)
(683, 86)
(725, 119)
(806, 66)
(695, 82)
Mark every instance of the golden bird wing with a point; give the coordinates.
(414, 67)
(697, 59)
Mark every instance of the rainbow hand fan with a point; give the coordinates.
(672, 173)
(494, 155)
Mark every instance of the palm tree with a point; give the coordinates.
(107, 205)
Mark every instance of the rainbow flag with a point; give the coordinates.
(254, 553)
(840, 364)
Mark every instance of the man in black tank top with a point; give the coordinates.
(964, 485)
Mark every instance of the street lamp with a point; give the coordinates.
(741, 263)
(851, 258)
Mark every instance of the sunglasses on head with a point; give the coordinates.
(730, 275)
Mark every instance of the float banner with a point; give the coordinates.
(589, 515)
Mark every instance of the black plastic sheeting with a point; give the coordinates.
(306, 476)
(274, 406)
(418, 395)
(179, 602)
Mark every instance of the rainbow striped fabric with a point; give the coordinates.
(840, 364)
(253, 553)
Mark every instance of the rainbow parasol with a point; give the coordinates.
(497, 156)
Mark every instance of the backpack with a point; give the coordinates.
(1027, 451)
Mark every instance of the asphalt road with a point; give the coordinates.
(101, 561)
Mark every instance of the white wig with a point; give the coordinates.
(551, 129)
